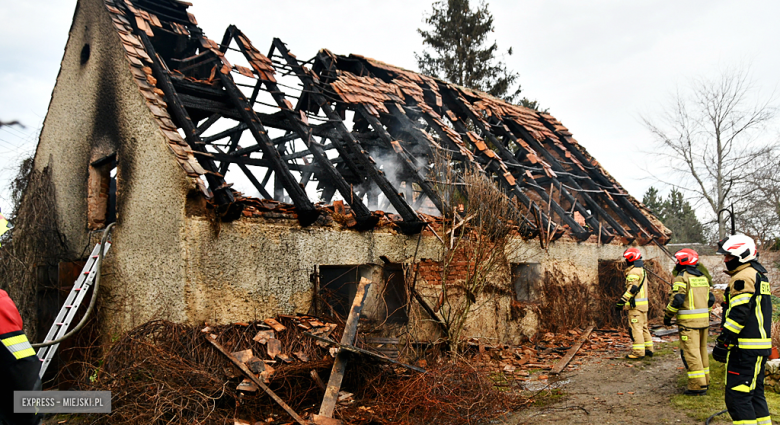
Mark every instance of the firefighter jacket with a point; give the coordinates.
(15, 344)
(690, 299)
(748, 318)
(636, 289)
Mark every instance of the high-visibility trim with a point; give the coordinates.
(678, 286)
(755, 343)
(707, 370)
(766, 420)
(632, 277)
(649, 344)
(741, 388)
(759, 360)
(696, 374)
(642, 302)
(19, 346)
(760, 317)
(733, 326)
(739, 300)
(672, 309)
(627, 295)
(746, 422)
(637, 346)
(693, 314)
(640, 299)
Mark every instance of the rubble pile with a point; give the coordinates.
(518, 364)
(163, 372)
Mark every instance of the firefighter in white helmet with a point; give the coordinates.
(635, 299)
(746, 338)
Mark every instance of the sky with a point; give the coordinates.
(598, 65)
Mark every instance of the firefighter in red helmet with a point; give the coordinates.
(635, 300)
(691, 301)
(19, 366)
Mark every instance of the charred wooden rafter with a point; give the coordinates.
(362, 214)
(221, 190)
(411, 222)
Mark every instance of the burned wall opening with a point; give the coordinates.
(612, 284)
(337, 286)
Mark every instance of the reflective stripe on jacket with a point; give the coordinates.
(15, 345)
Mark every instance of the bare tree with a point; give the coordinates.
(711, 136)
(474, 244)
(759, 215)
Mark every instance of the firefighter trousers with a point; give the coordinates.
(693, 350)
(637, 329)
(745, 399)
(20, 375)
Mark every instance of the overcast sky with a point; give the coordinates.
(597, 65)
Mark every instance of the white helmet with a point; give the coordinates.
(739, 246)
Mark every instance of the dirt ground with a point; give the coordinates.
(613, 391)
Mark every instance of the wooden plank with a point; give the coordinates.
(572, 351)
(352, 348)
(245, 370)
(340, 365)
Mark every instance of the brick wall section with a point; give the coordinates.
(430, 270)
(97, 196)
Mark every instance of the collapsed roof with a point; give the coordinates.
(292, 117)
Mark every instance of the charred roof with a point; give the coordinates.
(359, 130)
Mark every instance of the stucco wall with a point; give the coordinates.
(258, 268)
(96, 109)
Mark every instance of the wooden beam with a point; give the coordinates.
(362, 213)
(251, 376)
(353, 349)
(572, 352)
(350, 331)
(221, 191)
(405, 160)
(411, 221)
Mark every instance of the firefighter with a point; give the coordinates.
(19, 366)
(635, 300)
(746, 338)
(691, 301)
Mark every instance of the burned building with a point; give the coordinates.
(151, 123)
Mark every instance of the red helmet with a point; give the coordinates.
(632, 254)
(687, 257)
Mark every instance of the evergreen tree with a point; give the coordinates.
(677, 214)
(653, 202)
(463, 54)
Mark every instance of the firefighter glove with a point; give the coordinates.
(720, 352)
(727, 339)
(667, 320)
(620, 304)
